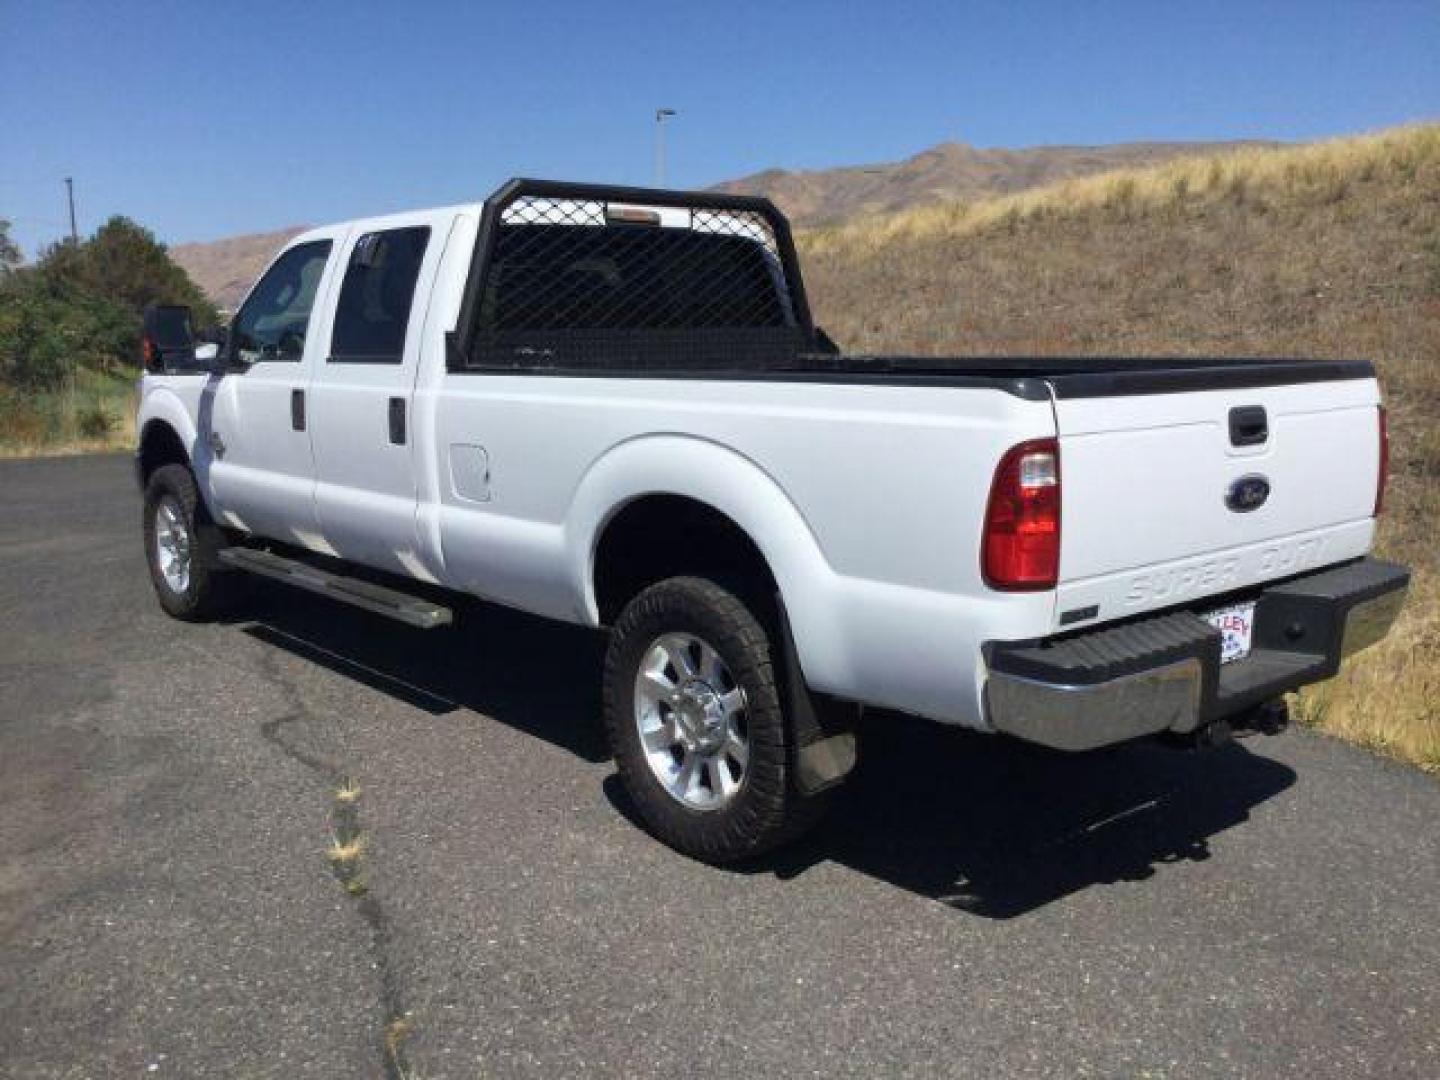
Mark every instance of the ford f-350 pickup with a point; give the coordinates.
(611, 407)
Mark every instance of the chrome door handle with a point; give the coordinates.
(217, 444)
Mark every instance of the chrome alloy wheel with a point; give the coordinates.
(690, 715)
(172, 545)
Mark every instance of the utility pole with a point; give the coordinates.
(70, 380)
(660, 116)
(70, 194)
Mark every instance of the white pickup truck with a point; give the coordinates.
(610, 406)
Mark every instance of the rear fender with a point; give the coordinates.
(736, 487)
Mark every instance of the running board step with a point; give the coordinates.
(412, 610)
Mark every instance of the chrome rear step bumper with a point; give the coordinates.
(1163, 674)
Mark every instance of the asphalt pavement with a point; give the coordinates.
(168, 906)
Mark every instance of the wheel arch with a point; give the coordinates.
(167, 435)
(159, 444)
(657, 535)
(726, 497)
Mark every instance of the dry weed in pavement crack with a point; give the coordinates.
(346, 853)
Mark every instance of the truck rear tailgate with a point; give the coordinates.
(1176, 496)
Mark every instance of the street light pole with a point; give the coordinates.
(660, 117)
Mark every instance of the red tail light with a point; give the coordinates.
(1383, 478)
(147, 350)
(1021, 546)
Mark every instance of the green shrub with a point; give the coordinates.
(33, 352)
(79, 306)
(95, 421)
(45, 336)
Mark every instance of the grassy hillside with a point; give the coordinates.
(949, 171)
(1328, 250)
(226, 268)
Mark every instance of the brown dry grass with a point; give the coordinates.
(97, 414)
(346, 850)
(1324, 250)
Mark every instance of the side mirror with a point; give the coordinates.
(167, 343)
(291, 346)
(212, 349)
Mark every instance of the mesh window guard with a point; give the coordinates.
(575, 277)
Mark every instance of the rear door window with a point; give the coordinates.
(376, 296)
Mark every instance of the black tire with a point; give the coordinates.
(766, 810)
(209, 590)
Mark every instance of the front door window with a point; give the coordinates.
(273, 322)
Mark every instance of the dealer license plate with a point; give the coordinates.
(1236, 624)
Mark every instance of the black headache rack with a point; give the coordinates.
(581, 278)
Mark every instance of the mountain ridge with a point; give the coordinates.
(949, 171)
(225, 268)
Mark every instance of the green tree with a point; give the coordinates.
(124, 262)
(9, 251)
(44, 334)
(79, 305)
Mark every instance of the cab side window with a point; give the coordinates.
(273, 322)
(376, 296)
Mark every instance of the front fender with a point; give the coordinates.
(738, 488)
(161, 404)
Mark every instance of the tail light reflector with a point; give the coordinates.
(1020, 549)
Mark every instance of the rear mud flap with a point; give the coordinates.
(826, 746)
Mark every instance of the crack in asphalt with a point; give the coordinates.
(346, 828)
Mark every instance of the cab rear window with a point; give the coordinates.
(623, 277)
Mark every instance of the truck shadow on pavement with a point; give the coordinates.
(539, 676)
(987, 825)
(998, 828)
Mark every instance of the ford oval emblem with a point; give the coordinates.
(1248, 493)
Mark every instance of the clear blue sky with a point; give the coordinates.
(204, 120)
